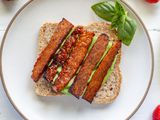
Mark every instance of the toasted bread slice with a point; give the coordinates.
(109, 90)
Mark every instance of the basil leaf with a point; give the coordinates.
(119, 8)
(104, 10)
(114, 22)
(119, 19)
(126, 30)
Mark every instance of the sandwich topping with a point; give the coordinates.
(100, 73)
(73, 62)
(77, 61)
(63, 54)
(80, 62)
(59, 34)
(92, 59)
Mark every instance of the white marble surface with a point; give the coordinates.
(150, 14)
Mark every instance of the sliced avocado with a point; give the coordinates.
(50, 63)
(59, 69)
(107, 75)
(56, 76)
(92, 43)
(94, 39)
(104, 54)
(66, 89)
(110, 70)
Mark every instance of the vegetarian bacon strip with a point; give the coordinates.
(91, 61)
(100, 73)
(62, 30)
(73, 62)
(63, 54)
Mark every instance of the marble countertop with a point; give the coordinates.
(151, 17)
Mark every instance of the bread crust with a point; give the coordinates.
(109, 90)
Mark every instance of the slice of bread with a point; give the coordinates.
(109, 90)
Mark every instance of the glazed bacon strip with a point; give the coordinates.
(73, 62)
(63, 54)
(66, 49)
(62, 30)
(100, 73)
(91, 61)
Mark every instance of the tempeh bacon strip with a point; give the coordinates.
(91, 61)
(100, 73)
(73, 62)
(61, 31)
(63, 54)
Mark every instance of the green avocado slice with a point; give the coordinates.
(110, 70)
(106, 51)
(66, 89)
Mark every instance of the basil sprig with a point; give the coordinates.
(119, 19)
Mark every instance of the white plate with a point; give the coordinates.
(18, 54)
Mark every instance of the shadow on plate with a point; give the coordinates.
(70, 102)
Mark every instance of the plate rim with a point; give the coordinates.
(30, 1)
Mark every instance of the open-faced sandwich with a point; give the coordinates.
(82, 61)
